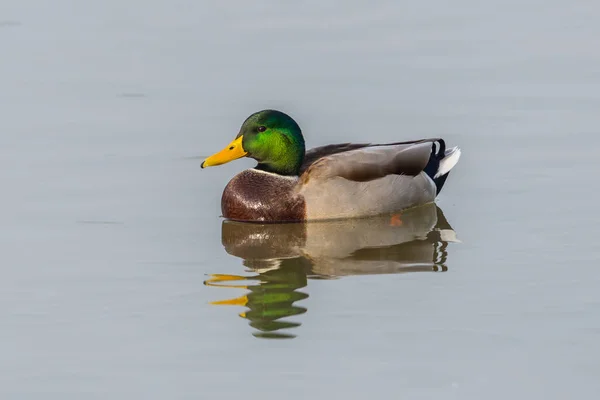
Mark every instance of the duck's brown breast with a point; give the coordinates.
(254, 195)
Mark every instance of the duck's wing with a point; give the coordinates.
(317, 153)
(366, 162)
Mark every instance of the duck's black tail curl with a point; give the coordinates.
(441, 162)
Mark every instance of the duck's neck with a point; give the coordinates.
(289, 167)
(284, 154)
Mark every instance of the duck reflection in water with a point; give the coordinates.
(282, 257)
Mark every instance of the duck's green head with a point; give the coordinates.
(270, 137)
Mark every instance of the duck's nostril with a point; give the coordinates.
(231, 148)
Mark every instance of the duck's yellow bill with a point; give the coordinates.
(233, 151)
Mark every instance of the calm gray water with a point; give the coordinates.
(113, 251)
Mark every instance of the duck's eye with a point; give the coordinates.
(262, 128)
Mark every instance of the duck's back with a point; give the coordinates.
(359, 180)
(255, 195)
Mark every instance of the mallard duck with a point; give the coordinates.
(337, 181)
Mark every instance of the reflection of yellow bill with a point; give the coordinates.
(218, 280)
(240, 301)
(225, 277)
(232, 152)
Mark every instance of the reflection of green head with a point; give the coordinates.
(274, 298)
(275, 140)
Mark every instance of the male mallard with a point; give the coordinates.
(329, 182)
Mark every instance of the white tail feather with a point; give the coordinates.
(448, 235)
(448, 162)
